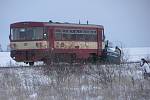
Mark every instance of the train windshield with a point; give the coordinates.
(34, 33)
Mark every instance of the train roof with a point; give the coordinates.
(72, 25)
(55, 24)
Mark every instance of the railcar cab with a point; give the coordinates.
(28, 41)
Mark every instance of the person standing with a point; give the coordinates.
(144, 64)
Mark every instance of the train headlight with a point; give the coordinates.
(14, 58)
(13, 45)
(45, 36)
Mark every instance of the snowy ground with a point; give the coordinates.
(7, 61)
(65, 82)
(135, 54)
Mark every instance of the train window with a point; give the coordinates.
(77, 31)
(94, 37)
(88, 31)
(33, 33)
(80, 31)
(64, 31)
(80, 37)
(84, 31)
(90, 37)
(38, 33)
(22, 30)
(22, 35)
(58, 36)
(71, 31)
(74, 31)
(103, 35)
(14, 34)
(91, 31)
(75, 35)
(66, 36)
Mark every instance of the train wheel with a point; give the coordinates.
(31, 63)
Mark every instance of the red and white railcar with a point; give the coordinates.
(53, 41)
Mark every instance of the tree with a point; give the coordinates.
(1, 48)
(8, 48)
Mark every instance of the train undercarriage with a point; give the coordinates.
(113, 58)
(29, 57)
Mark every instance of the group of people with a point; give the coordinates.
(146, 67)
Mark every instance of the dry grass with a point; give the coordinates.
(62, 82)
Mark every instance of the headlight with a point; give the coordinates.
(13, 45)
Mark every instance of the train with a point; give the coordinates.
(50, 41)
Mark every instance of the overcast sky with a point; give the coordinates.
(126, 21)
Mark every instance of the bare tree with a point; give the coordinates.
(8, 48)
(1, 50)
(124, 55)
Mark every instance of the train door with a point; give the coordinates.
(51, 38)
(51, 43)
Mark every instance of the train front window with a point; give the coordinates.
(34, 33)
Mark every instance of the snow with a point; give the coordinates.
(33, 95)
(135, 54)
(132, 54)
(6, 60)
(39, 83)
(118, 82)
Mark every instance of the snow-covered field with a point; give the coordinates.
(80, 82)
(135, 54)
(64, 82)
(7, 61)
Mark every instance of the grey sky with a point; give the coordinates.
(127, 21)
